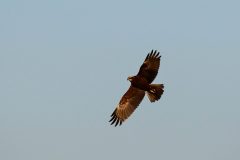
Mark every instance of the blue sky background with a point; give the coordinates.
(64, 66)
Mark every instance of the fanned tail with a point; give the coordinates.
(155, 92)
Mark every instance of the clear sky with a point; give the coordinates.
(64, 66)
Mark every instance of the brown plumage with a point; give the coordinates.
(140, 84)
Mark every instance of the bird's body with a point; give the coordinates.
(140, 84)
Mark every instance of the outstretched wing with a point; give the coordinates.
(128, 103)
(150, 66)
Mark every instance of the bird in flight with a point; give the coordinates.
(140, 84)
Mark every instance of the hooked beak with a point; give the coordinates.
(129, 78)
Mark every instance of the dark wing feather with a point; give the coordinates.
(128, 103)
(150, 66)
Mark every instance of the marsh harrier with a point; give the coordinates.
(140, 84)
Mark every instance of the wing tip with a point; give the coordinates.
(154, 54)
(115, 120)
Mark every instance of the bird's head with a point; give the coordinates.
(130, 78)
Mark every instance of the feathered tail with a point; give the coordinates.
(155, 92)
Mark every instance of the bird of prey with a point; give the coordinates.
(140, 84)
